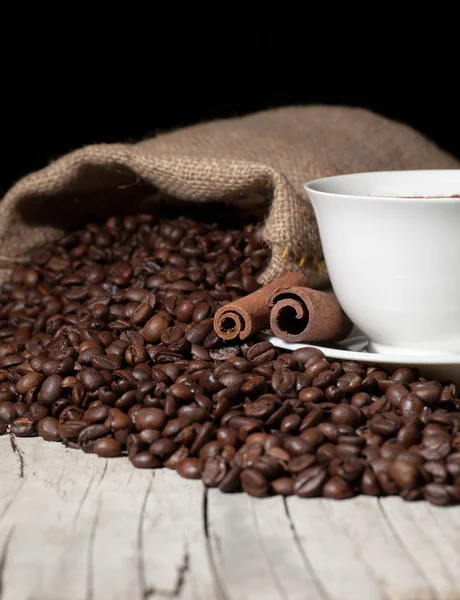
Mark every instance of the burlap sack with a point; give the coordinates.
(265, 155)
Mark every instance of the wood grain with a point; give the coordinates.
(74, 526)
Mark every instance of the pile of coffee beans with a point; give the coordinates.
(107, 344)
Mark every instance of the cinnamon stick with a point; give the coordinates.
(251, 314)
(300, 314)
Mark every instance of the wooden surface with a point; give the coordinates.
(74, 526)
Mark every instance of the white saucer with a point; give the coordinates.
(354, 348)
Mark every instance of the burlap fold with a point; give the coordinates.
(267, 155)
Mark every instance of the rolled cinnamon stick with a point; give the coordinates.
(300, 314)
(251, 313)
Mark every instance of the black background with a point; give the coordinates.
(54, 102)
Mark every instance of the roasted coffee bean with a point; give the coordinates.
(70, 430)
(7, 412)
(145, 460)
(90, 378)
(50, 390)
(303, 355)
(90, 435)
(210, 450)
(47, 429)
(154, 328)
(411, 407)
(23, 427)
(338, 488)
(283, 486)
(3, 427)
(150, 418)
(314, 368)
(269, 466)
(344, 414)
(231, 481)
(369, 484)
(409, 435)
(429, 392)
(350, 468)
(385, 424)
(190, 468)
(290, 424)
(28, 382)
(254, 483)
(310, 482)
(261, 408)
(325, 453)
(404, 473)
(96, 414)
(437, 493)
(381, 468)
(261, 353)
(436, 471)
(107, 447)
(300, 463)
(214, 471)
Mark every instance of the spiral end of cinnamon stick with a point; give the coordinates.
(301, 314)
(230, 324)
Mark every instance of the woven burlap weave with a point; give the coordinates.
(266, 155)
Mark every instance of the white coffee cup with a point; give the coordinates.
(391, 241)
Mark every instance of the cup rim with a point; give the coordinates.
(312, 186)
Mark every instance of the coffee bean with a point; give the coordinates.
(3, 427)
(145, 460)
(231, 481)
(381, 468)
(254, 483)
(23, 427)
(28, 382)
(313, 369)
(214, 471)
(411, 407)
(350, 468)
(190, 468)
(325, 453)
(90, 378)
(338, 488)
(96, 414)
(385, 424)
(290, 424)
(369, 484)
(70, 430)
(261, 408)
(436, 471)
(344, 414)
(50, 390)
(429, 392)
(48, 429)
(261, 353)
(150, 418)
(107, 447)
(437, 494)
(404, 473)
(154, 328)
(199, 332)
(283, 486)
(90, 435)
(7, 412)
(310, 482)
(409, 435)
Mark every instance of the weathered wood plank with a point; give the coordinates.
(77, 526)
(421, 530)
(174, 543)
